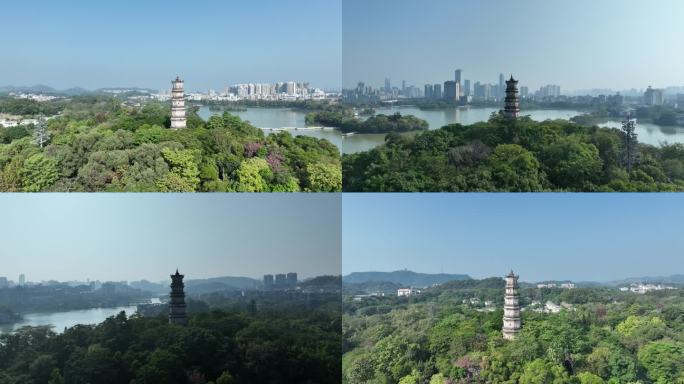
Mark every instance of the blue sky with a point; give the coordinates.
(578, 44)
(596, 237)
(134, 236)
(211, 43)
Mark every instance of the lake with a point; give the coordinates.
(60, 320)
(285, 117)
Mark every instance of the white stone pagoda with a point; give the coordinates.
(177, 104)
(511, 317)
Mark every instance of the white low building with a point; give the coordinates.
(644, 288)
(408, 292)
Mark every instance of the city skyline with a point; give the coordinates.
(210, 44)
(581, 45)
(147, 236)
(578, 237)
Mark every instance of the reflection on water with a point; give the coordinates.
(285, 117)
(60, 320)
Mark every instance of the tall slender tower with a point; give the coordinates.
(177, 313)
(512, 102)
(511, 317)
(177, 104)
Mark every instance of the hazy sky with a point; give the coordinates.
(577, 44)
(135, 236)
(580, 236)
(210, 43)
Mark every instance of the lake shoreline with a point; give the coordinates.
(271, 117)
(84, 316)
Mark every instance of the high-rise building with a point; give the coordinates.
(488, 92)
(280, 281)
(512, 102)
(428, 91)
(457, 76)
(4, 283)
(403, 87)
(524, 92)
(653, 96)
(177, 314)
(466, 88)
(291, 279)
(291, 88)
(451, 91)
(680, 100)
(388, 86)
(177, 104)
(22, 279)
(437, 91)
(500, 90)
(511, 317)
(268, 282)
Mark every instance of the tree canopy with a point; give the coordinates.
(98, 144)
(513, 155)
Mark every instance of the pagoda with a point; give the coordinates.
(511, 317)
(177, 104)
(512, 101)
(177, 313)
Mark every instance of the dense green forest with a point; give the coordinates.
(27, 107)
(248, 343)
(346, 122)
(515, 155)
(607, 336)
(98, 144)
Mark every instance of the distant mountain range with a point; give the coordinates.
(197, 286)
(407, 278)
(672, 279)
(403, 278)
(45, 89)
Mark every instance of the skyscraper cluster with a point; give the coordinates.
(269, 90)
(548, 91)
(280, 281)
(457, 91)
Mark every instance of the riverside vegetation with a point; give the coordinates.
(97, 143)
(515, 155)
(606, 336)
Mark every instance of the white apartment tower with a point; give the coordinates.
(511, 317)
(177, 104)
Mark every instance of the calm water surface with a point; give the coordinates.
(60, 320)
(266, 118)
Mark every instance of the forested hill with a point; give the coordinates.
(451, 334)
(98, 144)
(405, 278)
(514, 155)
(290, 339)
